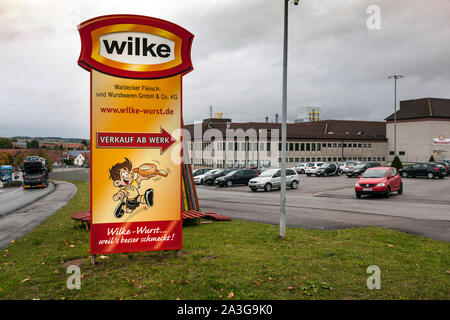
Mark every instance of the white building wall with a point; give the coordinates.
(415, 138)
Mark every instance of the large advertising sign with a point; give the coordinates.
(441, 140)
(136, 65)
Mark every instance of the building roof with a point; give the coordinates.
(54, 155)
(325, 129)
(75, 153)
(422, 108)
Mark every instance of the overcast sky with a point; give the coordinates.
(335, 61)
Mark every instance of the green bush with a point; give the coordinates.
(397, 163)
(431, 159)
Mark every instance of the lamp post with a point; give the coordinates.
(395, 77)
(283, 124)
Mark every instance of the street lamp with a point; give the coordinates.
(395, 77)
(283, 124)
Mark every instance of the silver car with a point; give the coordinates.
(271, 179)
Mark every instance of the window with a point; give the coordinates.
(391, 153)
(324, 145)
(365, 145)
(329, 145)
(313, 159)
(339, 145)
(402, 153)
(242, 146)
(279, 147)
(268, 146)
(308, 147)
(302, 159)
(236, 146)
(329, 159)
(302, 147)
(296, 147)
(313, 147)
(290, 172)
(261, 146)
(369, 145)
(359, 145)
(354, 145)
(230, 146)
(296, 160)
(291, 159)
(319, 147)
(334, 145)
(291, 147)
(242, 163)
(319, 159)
(344, 145)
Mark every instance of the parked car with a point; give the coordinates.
(210, 177)
(429, 170)
(445, 165)
(271, 179)
(311, 168)
(350, 164)
(329, 169)
(242, 176)
(359, 169)
(300, 168)
(200, 171)
(379, 180)
(200, 179)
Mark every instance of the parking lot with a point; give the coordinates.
(330, 203)
(415, 189)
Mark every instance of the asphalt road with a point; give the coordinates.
(16, 224)
(12, 199)
(330, 203)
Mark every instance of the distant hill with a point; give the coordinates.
(50, 139)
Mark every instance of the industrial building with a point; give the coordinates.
(423, 129)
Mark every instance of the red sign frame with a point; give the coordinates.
(87, 61)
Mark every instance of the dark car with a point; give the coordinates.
(359, 169)
(209, 178)
(445, 164)
(429, 170)
(328, 169)
(242, 176)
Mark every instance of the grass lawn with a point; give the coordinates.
(226, 260)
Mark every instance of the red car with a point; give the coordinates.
(380, 180)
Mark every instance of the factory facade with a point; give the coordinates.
(423, 129)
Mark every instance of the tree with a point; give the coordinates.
(44, 155)
(84, 142)
(6, 158)
(33, 144)
(18, 159)
(431, 159)
(5, 143)
(397, 163)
